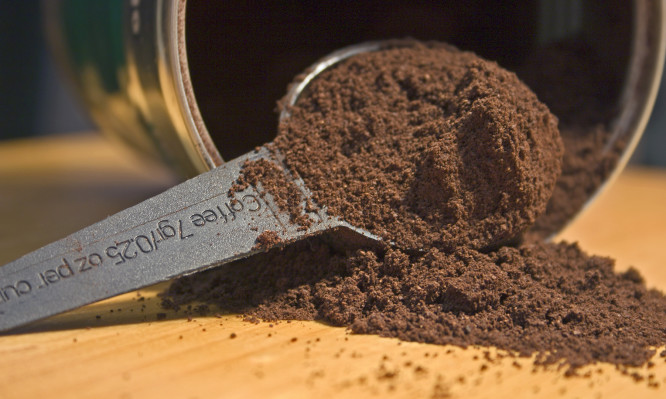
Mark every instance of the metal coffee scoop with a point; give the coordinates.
(191, 227)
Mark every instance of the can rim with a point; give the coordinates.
(198, 138)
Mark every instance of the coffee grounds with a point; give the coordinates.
(267, 239)
(549, 299)
(424, 145)
(570, 78)
(270, 179)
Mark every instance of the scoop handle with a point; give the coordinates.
(190, 227)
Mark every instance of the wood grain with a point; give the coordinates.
(119, 349)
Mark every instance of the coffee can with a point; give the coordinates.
(192, 83)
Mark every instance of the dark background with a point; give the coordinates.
(35, 100)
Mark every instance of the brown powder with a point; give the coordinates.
(571, 79)
(434, 148)
(270, 178)
(267, 240)
(551, 299)
(424, 145)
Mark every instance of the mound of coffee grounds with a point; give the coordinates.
(550, 299)
(424, 145)
(376, 117)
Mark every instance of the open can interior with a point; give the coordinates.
(242, 55)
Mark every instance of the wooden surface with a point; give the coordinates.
(118, 348)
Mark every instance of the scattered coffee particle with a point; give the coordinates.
(433, 148)
(161, 316)
(267, 240)
(293, 339)
(232, 335)
(384, 373)
(440, 390)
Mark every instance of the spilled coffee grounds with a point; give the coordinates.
(436, 149)
(551, 299)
